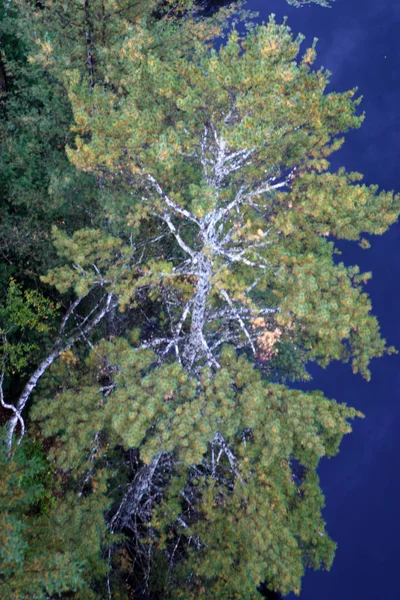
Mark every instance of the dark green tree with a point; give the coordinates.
(43, 552)
(38, 185)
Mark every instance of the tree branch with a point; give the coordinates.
(225, 295)
(170, 203)
(17, 414)
(59, 347)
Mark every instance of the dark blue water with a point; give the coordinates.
(359, 42)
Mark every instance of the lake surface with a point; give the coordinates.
(359, 43)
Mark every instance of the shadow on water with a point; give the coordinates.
(270, 595)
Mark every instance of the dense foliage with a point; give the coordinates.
(168, 272)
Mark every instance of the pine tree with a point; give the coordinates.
(214, 207)
(43, 552)
(222, 166)
(242, 193)
(40, 187)
(229, 450)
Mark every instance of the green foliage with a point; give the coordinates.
(150, 156)
(43, 551)
(328, 303)
(90, 251)
(321, 304)
(268, 524)
(25, 316)
(38, 185)
(263, 513)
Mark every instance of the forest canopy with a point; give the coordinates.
(169, 271)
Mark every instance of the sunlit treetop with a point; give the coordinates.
(227, 155)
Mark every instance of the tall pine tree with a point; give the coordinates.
(213, 209)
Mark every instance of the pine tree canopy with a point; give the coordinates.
(43, 552)
(233, 438)
(224, 172)
(180, 277)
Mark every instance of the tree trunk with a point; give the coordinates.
(196, 345)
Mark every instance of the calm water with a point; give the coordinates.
(359, 43)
